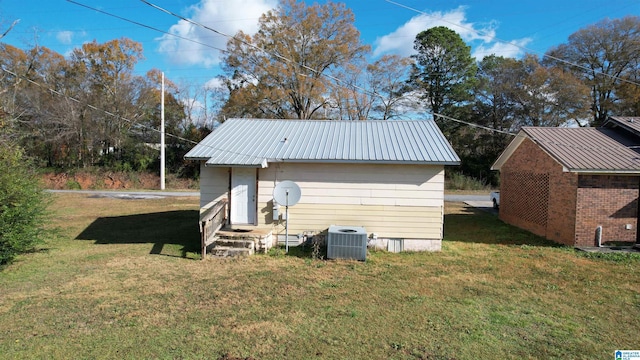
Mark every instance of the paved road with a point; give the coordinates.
(464, 198)
(158, 194)
(130, 194)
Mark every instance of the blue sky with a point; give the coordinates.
(388, 27)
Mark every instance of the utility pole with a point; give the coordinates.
(162, 157)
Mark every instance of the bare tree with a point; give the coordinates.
(606, 54)
(278, 72)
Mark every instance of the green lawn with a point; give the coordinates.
(123, 280)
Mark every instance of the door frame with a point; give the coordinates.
(252, 208)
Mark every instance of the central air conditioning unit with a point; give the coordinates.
(347, 242)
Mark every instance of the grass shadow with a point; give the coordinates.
(473, 225)
(160, 229)
(303, 252)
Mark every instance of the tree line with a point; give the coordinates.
(308, 62)
(89, 109)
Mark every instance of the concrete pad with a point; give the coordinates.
(609, 249)
(480, 204)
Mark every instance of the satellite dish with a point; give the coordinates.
(287, 193)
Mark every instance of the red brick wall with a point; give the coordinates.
(610, 202)
(537, 196)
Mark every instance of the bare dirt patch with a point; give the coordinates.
(111, 180)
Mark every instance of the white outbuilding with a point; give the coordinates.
(384, 176)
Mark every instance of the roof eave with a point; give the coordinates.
(196, 158)
(381, 162)
(603, 171)
(509, 150)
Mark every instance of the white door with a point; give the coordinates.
(243, 196)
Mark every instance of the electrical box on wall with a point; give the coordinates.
(276, 212)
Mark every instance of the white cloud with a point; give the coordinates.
(225, 16)
(401, 40)
(512, 49)
(65, 37)
(213, 83)
(193, 105)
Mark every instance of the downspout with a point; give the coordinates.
(599, 235)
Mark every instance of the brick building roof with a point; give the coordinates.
(630, 124)
(587, 150)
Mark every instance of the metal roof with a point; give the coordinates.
(256, 142)
(591, 150)
(629, 123)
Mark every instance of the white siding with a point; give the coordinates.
(394, 201)
(214, 184)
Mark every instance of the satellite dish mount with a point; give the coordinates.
(287, 193)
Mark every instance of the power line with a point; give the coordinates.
(273, 54)
(285, 59)
(485, 34)
(145, 26)
(278, 56)
(116, 116)
(137, 125)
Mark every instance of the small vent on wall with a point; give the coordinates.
(347, 242)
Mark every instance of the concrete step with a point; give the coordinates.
(235, 243)
(226, 251)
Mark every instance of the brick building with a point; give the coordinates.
(574, 186)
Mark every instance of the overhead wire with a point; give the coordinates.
(319, 73)
(485, 34)
(119, 117)
(285, 59)
(145, 26)
(282, 58)
(138, 125)
(278, 56)
(271, 53)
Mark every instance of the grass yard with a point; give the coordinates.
(123, 279)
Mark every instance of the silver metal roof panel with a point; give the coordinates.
(254, 142)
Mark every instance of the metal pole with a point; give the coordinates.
(286, 231)
(162, 156)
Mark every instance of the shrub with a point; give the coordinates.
(73, 185)
(458, 181)
(22, 205)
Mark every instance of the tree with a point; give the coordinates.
(388, 80)
(444, 70)
(22, 205)
(603, 55)
(547, 96)
(278, 72)
(97, 110)
(105, 79)
(509, 94)
(22, 202)
(628, 93)
(351, 98)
